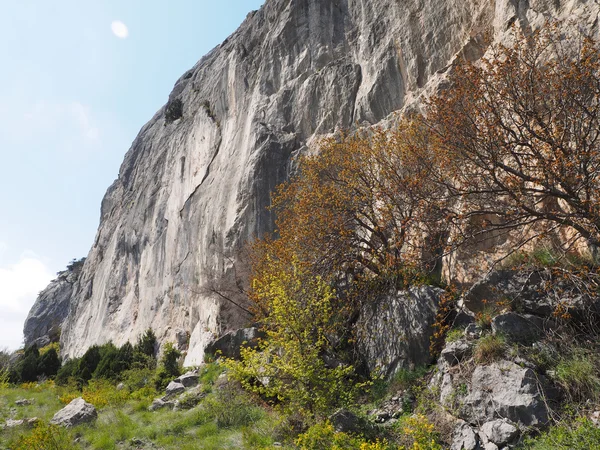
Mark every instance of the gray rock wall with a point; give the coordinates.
(191, 192)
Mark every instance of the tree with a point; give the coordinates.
(518, 137)
(49, 363)
(361, 208)
(169, 366)
(147, 343)
(27, 367)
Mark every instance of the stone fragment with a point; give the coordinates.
(345, 421)
(10, 423)
(464, 438)
(174, 388)
(499, 431)
(75, 413)
(160, 403)
(188, 379)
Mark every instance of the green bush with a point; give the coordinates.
(45, 437)
(581, 435)
(88, 363)
(27, 367)
(67, 372)
(49, 363)
(231, 407)
(301, 315)
(454, 335)
(577, 374)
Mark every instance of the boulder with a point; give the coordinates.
(189, 379)
(174, 388)
(499, 432)
(23, 402)
(505, 390)
(454, 352)
(229, 344)
(344, 421)
(10, 423)
(464, 438)
(463, 318)
(75, 413)
(189, 399)
(394, 332)
(517, 328)
(161, 403)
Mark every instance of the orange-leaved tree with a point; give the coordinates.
(518, 135)
(362, 207)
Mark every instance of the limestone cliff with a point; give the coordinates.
(195, 184)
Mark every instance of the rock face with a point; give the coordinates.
(75, 413)
(394, 333)
(47, 315)
(195, 183)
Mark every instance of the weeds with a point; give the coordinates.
(489, 348)
(577, 374)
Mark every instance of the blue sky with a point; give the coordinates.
(79, 80)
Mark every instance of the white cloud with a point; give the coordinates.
(20, 284)
(119, 29)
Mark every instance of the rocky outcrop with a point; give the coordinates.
(394, 332)
(75, 413)
(196, 182)
(230, 344)
(47, 315)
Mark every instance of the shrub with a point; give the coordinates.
(230, 407)
(581, 435)
(324, 436)
(454, 335)
(67, 371)
(45, 437)
(422, 433)
(489, 348)
(288, 365)
(88, 363)
(27, 367)
(4, 378)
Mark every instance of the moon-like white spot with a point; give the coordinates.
(119, 29)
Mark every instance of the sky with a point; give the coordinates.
(79, 79)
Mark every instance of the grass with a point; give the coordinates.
(489, 348)
(227, 418)
(455, 334)
(581, 435)
(577, 374)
